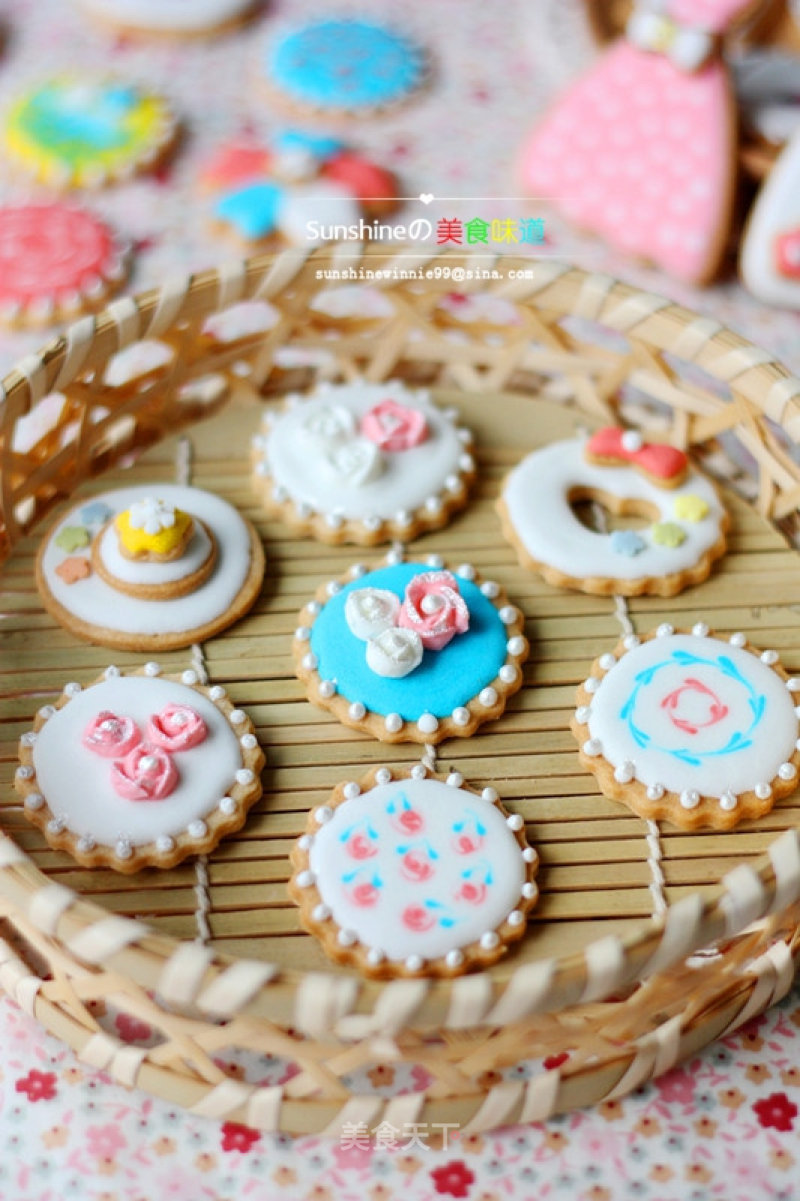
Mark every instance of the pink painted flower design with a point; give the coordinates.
(418, 919)
(434, 607)
(147, 773)
(473, 894)
(111, 736)
(416, 866)
(392, 426)
(358, 846)
(105, 1141)
(177, 728)
(365, 895)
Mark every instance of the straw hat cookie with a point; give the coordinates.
(342, 67)
(56, 261)
(689, 726)
(139, 769)
(178, 17)
(148, 568)
(84, 132)
(407, 874)
(365, 463)
(411, 652)
(628, 475)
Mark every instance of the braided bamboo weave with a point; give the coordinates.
(608, 972)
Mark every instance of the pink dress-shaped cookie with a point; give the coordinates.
(641, 149)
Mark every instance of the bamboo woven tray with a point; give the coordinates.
(603, 973)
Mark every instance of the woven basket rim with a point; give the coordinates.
(743, 895)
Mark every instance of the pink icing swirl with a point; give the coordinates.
(392, 426)
(365, 895)
(434, 607)
(177, 728)
(418, 919)
(358, 846)
(467, 844)
(416, 866)
(147, 773)
(473, 894)
(111, 736)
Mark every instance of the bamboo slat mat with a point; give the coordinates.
(595, 877)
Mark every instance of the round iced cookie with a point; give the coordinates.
(169, 16)
(628, 476)
(411, 652)
(408, 874)
(56, 262)
(361, 462)
(699, 729)
(343, 66)
(150, 567)
(138, 769)
(81, 132)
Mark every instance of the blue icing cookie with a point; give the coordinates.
(443, 681)
(251, 210)
(321, 146)
(344, 64)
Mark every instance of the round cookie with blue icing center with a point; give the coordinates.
(344, 65)
(440, 657)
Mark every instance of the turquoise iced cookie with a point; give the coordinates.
(344, 65)
(411, 652)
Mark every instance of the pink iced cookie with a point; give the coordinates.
(641, 149)
(56, 260)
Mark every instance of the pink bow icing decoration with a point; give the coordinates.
(434, 608)
(614, 445)
(393, 426)
(640, 150)
(147, 773)
(177, 728)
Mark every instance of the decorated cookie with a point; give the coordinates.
(642, 148)
(56, 262)
(343, 66)
(628, 476)
(411, 652)
(150, 567)
(407, 874)
(363, 463)
(86, 132)
(138, 770)
(770, 260)
(169, 16)
(690, 727)
(294, 189)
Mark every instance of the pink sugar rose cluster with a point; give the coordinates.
(143, 767)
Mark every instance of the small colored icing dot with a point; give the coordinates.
(74, 569)
(690, 507)
(72, 537)
(627, 542)
(667, 533)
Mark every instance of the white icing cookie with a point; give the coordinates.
(411, 652)
(687, 531)
(770, 260)
(169, 16)
(85, 602)
(690, 727)
(410, 875)
(363, 463)
(140, 769)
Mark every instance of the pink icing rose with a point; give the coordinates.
(360, 847)
(365, 895)
(111, 736)
(467, 844)
(177, 728)
(147, 773)
(474, 894)
(434, 607)
(392, 426)
(418, 919)
(416, 866)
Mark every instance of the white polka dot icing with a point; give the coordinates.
(692, 720)
(451, 671)
(135, 760)
(417, 868)
(111, 617)
(539, 521)
(363, 453)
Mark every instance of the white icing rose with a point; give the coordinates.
(370, 611)
(394, 653)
